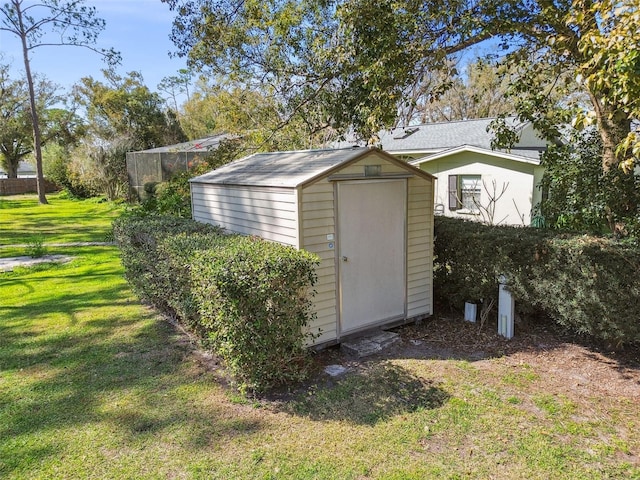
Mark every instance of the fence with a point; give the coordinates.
(18, 186)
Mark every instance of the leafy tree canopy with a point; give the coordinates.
(359, 60)
(124, 107)
(261, 121)
(16, 127)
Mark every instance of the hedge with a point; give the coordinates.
(246, 298)
(589, 284)
(254, 301)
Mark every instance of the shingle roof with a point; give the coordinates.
(434, 137)
(287, 169)
(439, 136)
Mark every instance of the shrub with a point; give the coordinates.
(588, 284)
(254, 301)
(173, 197)
(247, 298)
(470, 256)
(36, 248)
(175, 255)
(138, 239)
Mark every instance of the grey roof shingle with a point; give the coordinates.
(438, 136)
(433, 137)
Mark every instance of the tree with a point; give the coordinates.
(16, 129)
(73, 22)
(580, 192)
(260, 119)
(124, 107)
(15, 125)
(610, 72)
(359, 58)
(343, 64)
(358, 61)
(122, 115)
(176, 85)
(448, 95)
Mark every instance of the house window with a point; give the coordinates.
(470, 192)
(464, 193)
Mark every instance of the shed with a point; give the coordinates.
(366, 214)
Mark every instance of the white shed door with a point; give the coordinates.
(371, 252)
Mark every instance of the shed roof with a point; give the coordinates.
(291, 169)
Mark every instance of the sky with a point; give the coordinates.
(138, 29)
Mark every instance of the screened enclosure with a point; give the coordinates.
(160, 164)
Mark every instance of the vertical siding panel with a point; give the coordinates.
(420, 248)
(270, 213)
(317, 221)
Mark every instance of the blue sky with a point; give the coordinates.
(139, 29)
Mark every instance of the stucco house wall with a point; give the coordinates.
(518, 178)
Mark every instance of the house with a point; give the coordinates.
(474, 181)
(366, 214)
(25, 170)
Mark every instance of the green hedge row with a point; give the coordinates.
(589, 284)
(247, 298)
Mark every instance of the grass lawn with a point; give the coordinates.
(62, 220)
(94, 385)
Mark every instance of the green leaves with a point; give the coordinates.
(247, 298)
(582, 282)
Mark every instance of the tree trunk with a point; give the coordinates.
(34, 112)
(612, 132)
(613, 128)
(12, 169)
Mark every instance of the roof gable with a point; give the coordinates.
(517, 155)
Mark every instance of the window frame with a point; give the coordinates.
(456, 193)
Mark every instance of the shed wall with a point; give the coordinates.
(268, 212)
(419, 247)
(318, 221)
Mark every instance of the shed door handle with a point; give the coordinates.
(344, 259)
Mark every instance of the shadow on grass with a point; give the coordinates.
(371, 395)
(69, 305)
(120, 373)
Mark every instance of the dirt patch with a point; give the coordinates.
(9, 264)
(569, 365)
